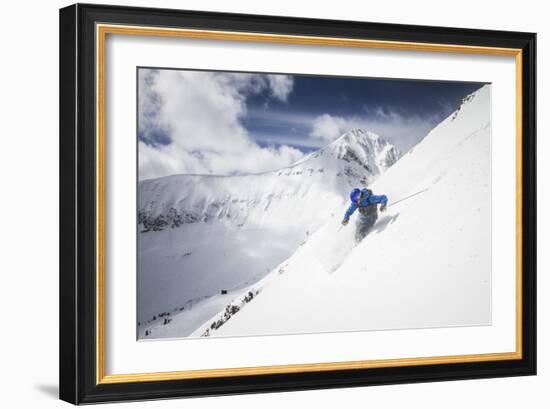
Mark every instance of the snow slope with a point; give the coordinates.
(201, 234)
(427, 262)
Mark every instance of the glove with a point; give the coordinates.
(344, 222)
(383, 207)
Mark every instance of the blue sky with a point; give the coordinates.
(220, 122)
(414, 106)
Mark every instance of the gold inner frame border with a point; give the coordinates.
(102, 30)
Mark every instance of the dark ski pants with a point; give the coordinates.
(364, 225)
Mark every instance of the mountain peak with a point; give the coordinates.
(357, 134)
(364, 154)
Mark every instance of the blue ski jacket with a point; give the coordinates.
(365, 201)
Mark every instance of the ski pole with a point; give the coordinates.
(408, 197)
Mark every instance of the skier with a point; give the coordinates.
(367, 203)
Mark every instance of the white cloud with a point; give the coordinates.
(281, 86)
(201, 112)
(327, 127)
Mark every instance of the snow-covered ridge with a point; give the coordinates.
(356, 158)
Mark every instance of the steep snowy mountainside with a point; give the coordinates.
(201, 235)
(357, 157)
(426, 263)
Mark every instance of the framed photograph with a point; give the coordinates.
(258, 203)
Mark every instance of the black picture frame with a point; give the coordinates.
(78, 197)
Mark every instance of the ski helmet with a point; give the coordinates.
(355, 195)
